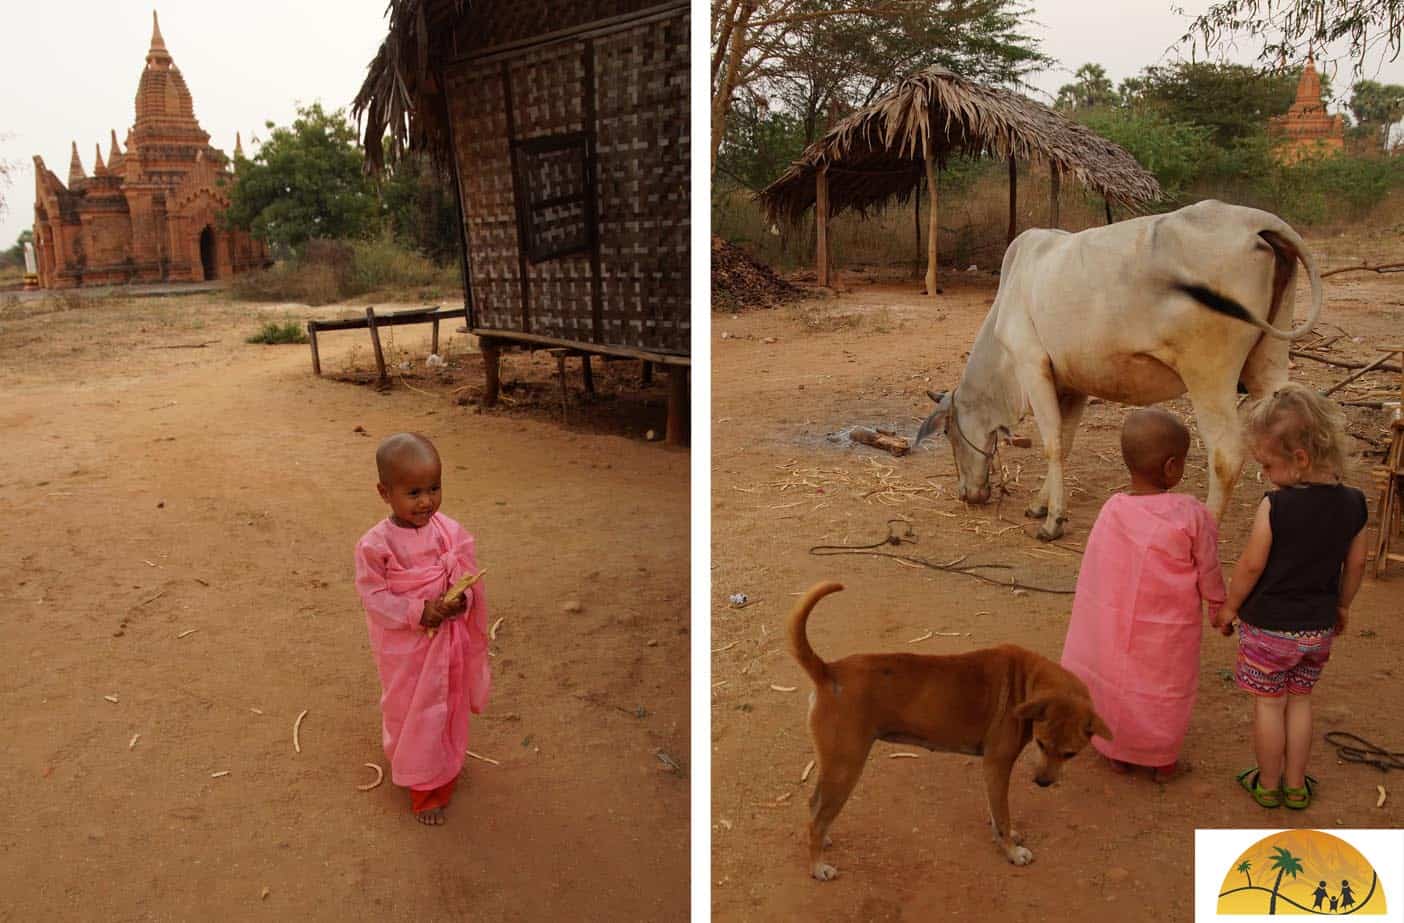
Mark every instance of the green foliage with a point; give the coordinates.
(1318, 189)
(759, 145)
(14, 256)
(1232, 100)
(1174, 151)
(329, 271)
(274, 333)
(305, 182)
(1289, 28)
(420, 211)
(1376, 106)
(1091, 89)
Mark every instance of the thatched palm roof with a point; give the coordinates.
(877, 154)
(401, 96)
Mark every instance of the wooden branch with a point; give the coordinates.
(1373, 366)
(888, 443)
(1366, 267)
(1343, 363)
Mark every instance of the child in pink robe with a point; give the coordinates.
(1134, 638)
(429, 684)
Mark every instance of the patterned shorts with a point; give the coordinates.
(1271, 663)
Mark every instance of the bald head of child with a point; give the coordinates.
(410, 473)
(1154, 444)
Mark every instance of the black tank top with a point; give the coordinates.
(1312, 528)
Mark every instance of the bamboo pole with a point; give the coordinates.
(931, 225)
(1013, 199)
(1054, 180)
(821, 223)
(382, 380)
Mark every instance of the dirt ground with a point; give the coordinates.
(182, 508)
(913, 841)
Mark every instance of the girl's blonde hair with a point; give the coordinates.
(1300, 418)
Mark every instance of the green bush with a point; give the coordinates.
(274, 333)
(327, 271)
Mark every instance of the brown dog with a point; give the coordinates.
(987, 703)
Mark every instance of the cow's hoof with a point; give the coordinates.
(1047, 533)
(1036, 511)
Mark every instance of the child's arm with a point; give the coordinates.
(1351, 573)
(1211, 572)
(388, 609)
(1250, 566)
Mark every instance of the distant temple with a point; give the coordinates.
(150, 214)
(1306, 128)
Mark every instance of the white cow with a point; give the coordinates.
(1136, 312)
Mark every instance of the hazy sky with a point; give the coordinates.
(70, 67)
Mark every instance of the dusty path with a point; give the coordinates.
(151, 491)
(913, 841)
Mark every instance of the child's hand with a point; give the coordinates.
(434, 614)
(1224, 620)
(459, 606)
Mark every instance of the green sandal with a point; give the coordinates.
(1299, 798)
(1265, 797)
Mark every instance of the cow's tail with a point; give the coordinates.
(1287, 247)
(799, 640)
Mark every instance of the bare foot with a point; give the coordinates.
(433, 817)
(1173, 771)
(1119, 767)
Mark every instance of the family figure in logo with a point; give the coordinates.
(1338, 901)
(432, 655)
(1152, 561)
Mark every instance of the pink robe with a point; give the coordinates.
(428, 685)
(1135, 630)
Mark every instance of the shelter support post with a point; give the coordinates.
(382, 380)
(589, 374)
(677, 405)
(1013, 200)
(434, 342)
(916, 220)
(1054, 180)
(1107, 203)
(492, 370)
(821, 223)
(646, 373)
(931, 231)
(312, 338)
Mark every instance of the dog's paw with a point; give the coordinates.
(1018, 855)
(823, 872)
(828, 841)
(1036, 510)
(1016, 838)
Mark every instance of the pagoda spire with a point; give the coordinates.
(99, 169)
(115, 152)
(75, 167)
(238, 145)
(158, 56)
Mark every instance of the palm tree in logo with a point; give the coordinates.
(1286, 864)
(1243, 868)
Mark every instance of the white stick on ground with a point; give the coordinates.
(379, 777)
(297, 725)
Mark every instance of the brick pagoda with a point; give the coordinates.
(1306, 128)
(150, 214)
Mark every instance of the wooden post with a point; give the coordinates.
(931, 230)
(560, 373)
(646, 374)
(434, 344)
(383, 380)
(1107, 203)
(1013, 200)
(1054, 179)
(312, 338)
(821, 223)
(677, 405)
(492, 361)
(916, 219)
(589, 374)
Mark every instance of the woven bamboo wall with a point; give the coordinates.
(639, 96)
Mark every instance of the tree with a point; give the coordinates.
(759, 145)
(1286, 864)
(1090, 89)
(1232, 100)
(7, 169)
(822, 60)
(305, 182)
(1176, 152)
(420, 209)
(1376, 106)
(1243, 868)
(1291, 28)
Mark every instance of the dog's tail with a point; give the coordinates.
(799, 640)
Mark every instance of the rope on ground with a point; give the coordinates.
(951, 567)
(1351, 748)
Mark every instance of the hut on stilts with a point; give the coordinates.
(565, 127)
(881, 154)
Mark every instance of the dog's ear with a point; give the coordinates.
(1098, 728)
(1033, 709)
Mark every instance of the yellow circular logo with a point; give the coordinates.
(1301, 871)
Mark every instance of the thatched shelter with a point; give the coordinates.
(565, 127)
(881, 153)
